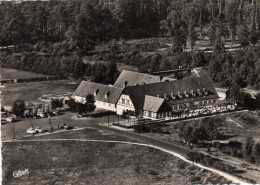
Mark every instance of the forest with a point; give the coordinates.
(53, 37)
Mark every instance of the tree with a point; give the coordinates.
(55, 103)
(248, 148)
(192, 36)
(176, 26)
(253, 36)
(87, 105)
(256, 153)
(243, 35)
(72, 104)
(90, 103)
(18, 107)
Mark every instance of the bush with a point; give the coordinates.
(141, 128)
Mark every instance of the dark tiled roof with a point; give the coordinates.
(137, 93)
(134, 78)
(100, 90)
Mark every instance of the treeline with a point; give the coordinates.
(70, 66)
(83, 24)
(80, 24)
(59, 33)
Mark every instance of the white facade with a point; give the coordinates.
(124, 103)
(99, 104)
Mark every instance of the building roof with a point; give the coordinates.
(154, 104)
(131, 78)
(170, 91)
(105, 93)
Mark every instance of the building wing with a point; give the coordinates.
(104, 93)
(174, 92)
(131, 78)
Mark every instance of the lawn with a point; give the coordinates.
(77, 162)
(10, 74)
(31, 92)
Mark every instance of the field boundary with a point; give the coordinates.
(37, 79)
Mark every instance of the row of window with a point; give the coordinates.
(200, 103)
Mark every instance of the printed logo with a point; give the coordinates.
(20, 173)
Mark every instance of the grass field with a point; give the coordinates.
(10, 74)
(74, 162)
(31, 92)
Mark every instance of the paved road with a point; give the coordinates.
(143, 139)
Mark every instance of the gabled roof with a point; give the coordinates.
(134, 78)
(162, 89)
(101, 92)
(155, 104)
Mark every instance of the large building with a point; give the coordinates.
(150, 95)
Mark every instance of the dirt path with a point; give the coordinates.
(227, 176)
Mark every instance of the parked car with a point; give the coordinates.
(65, 126)
(34, 130)
(39, 130)
(36, 117)
(10, 119)
(42, 114)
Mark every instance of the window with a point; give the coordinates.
(175, 107)
(205, 102)
(127, 102)
(123, 101)
(200, 102)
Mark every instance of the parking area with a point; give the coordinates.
(18, 129)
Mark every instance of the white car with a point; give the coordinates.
(34, 130)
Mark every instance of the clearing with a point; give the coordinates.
(32, 91)
(10, 74)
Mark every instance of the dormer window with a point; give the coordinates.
(179, 94)
(199, 92)
(96, 92)
(192, 93)
(186, 94)
(205, 92)
(125, 84)
(107, 94)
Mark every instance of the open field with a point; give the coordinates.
(10, 74)
(31, 92)
(121, 67)
(78, 162)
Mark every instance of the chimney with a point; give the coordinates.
(172, 95)
(158, 95)
(165, 96)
